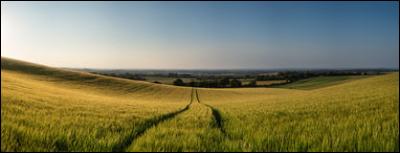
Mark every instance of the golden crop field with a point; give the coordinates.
(71, 111)
(51, 109)
(360, 115)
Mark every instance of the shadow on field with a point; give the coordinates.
(147, 124)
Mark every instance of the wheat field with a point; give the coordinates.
(52, 109)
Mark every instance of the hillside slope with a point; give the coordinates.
(359, 115)
(50, 109)
(320, 82)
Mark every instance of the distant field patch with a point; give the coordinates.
(265, 83)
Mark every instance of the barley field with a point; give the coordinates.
(52, 109)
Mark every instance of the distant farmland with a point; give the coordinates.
(51, 109)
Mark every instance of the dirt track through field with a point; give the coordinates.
(218, 121)
(148, 124)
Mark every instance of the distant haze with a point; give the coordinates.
(202, 35)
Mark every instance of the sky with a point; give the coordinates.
(202, 35)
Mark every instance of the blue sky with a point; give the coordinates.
(202, 35)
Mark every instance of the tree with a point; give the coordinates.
(157, 82)
(179, 82)
(236, 83)
(192, 83)
(224, 82)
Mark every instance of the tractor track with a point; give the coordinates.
(148, 124)
(152, 122)
(218, 121)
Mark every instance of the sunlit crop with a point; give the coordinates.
(49, 109)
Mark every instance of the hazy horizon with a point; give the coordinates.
(202, 35)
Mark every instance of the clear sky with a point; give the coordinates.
(202, 35)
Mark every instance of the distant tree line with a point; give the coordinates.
(291, 76)
(233, 81)
(214, 83)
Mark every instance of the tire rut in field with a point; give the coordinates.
(216, 114)
(147, 124)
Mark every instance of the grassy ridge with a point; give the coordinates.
(320, 82)
(76, 79)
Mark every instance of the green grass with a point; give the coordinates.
(319, 82)
(49, 109)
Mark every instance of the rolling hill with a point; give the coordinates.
(320, 82)
(52, 109)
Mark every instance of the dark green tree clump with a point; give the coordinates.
(236, 83)
(179, 82)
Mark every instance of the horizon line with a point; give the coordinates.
(213, 69)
